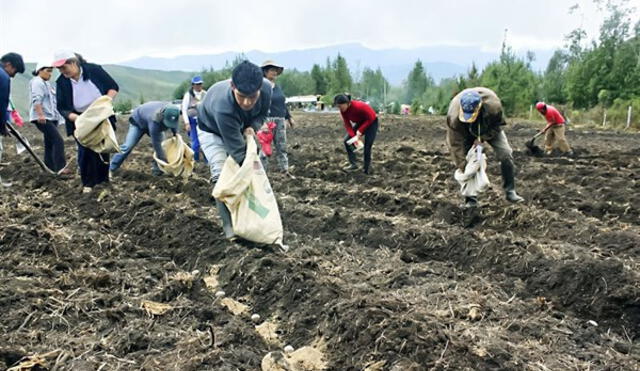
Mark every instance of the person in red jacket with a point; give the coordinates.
(360, 120)
(554, 130)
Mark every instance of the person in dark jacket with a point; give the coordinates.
(359, 120)
(10, 65)
(78, 86)
(278, 113)
(153, 119)
(475, 116)
(231, 110)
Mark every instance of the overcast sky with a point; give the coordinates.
(117, 30)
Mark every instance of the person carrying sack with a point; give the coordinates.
(79, 85)
(474, 117)
(154, 119)
(247, 193)
(230, 114)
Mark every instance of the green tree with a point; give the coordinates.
(513, 80)
(319, 80)
(417, 82)
(294, 82)
(340, 77)
(372, 87)
(554, 78)
(609, 64)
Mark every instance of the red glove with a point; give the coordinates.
(15, 116)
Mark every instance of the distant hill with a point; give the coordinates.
(134, 83)
(440, 61)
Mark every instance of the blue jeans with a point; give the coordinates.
(193, 135)
(133, 137)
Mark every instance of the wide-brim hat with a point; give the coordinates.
(271, 64)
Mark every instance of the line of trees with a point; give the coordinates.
(602, 74)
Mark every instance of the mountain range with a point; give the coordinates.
(440, 61)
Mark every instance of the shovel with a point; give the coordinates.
(534, 149)
(16, 134)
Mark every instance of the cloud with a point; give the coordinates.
(117, 30)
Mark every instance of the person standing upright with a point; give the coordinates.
(44, 115)
(278, 113)
(10, 65)
(79, 85)
(190, 101)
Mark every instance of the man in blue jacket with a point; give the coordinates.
(10, 65)
(231, 110)
(152, 119)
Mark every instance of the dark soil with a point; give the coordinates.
(383, 270)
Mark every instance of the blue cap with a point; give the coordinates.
(470, 103)
(247, 78)
(196, 80)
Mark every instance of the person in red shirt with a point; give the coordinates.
(554, 130)
(359, 120)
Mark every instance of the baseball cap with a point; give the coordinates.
(470, 103)
(170, 116)
(61, 57)
(196, 80)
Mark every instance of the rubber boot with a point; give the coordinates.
(469, 202)
(225, 216)
(509, 178)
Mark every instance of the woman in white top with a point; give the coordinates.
(44, 115)
(190, 101)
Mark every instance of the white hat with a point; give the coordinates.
(41, 65)
(61, 57)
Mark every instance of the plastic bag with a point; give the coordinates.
(473, 180)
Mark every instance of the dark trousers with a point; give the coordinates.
(53, 145)
(369, 138)
(94, 167)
